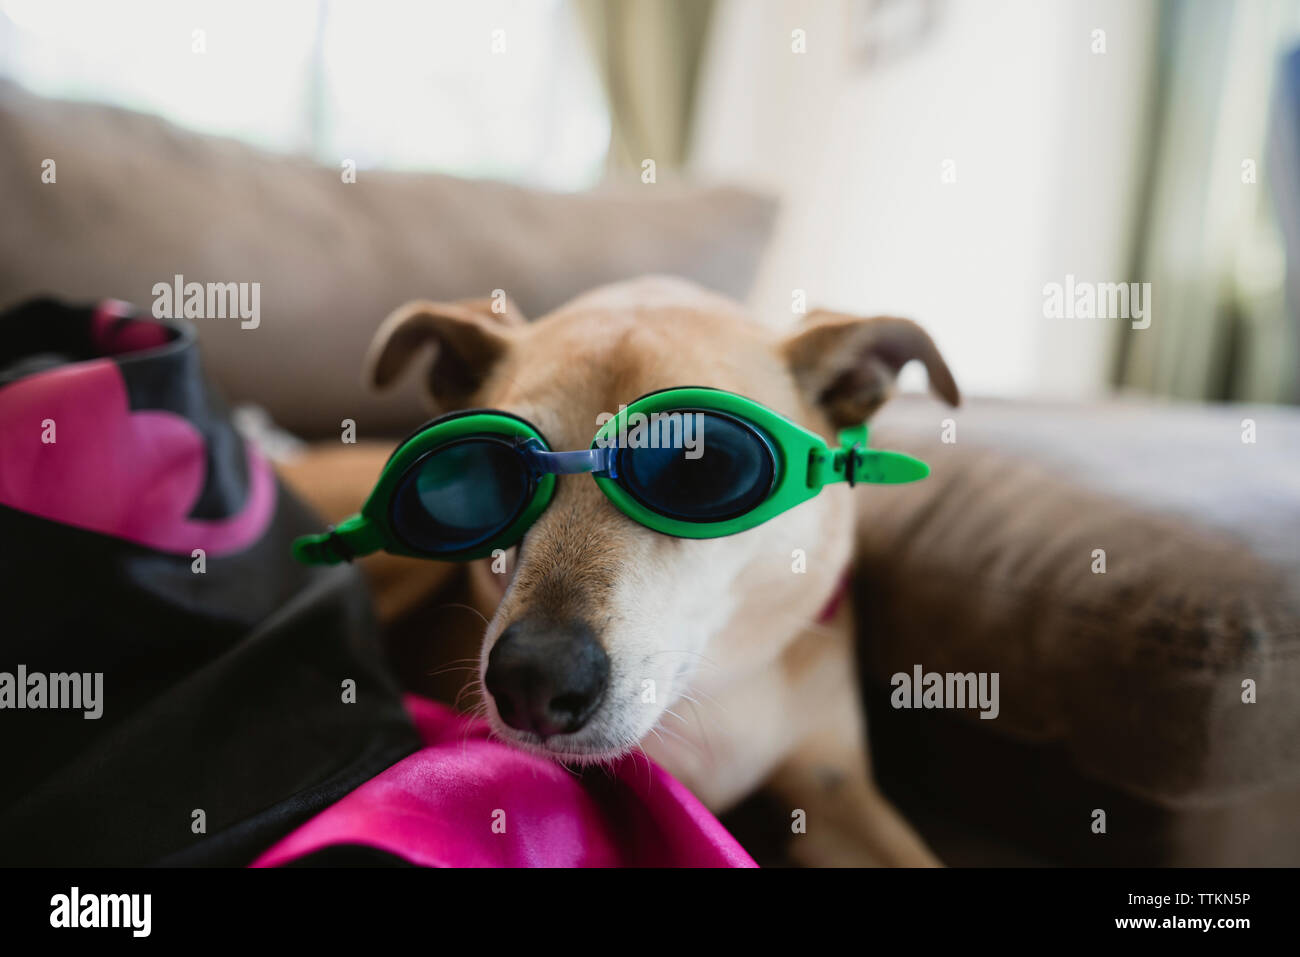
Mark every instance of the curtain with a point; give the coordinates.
(1210, 242)
(648, 53)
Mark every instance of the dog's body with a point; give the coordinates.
(717, 664)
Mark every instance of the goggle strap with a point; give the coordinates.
(856, 464)
(880, 467)
(352, 538)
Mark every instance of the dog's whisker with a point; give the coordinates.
(704, 732)
(472, 717)
(449, 669)
(471, 691)
(683, 651)
(692, 745)
(710, 699)
(649, 766)
(712, 702)
(472, 687)
(456, 604)
(676, 715)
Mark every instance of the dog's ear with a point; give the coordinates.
(467, 337)
(847, 365)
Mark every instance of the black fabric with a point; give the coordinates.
(349, 855)
(223, 691)
(45, 330)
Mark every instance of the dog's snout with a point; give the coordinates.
(547, 678)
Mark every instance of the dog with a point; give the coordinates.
(715, 657)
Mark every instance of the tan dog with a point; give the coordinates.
(707, 654)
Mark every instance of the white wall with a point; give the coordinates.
(1044, 136)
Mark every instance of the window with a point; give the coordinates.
(489, 89)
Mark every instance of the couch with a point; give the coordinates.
(1121, 690)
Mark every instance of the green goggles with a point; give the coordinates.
(687, 462)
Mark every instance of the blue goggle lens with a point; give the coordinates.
(732, 472)
(461, 495)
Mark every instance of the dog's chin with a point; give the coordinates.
(564, 748)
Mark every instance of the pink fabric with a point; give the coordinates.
(437, 808)
(132, 475)
(114, 337)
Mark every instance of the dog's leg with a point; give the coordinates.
(848, 822)
(335, 480)
(828, 774)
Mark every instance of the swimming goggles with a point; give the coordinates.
(688, 462)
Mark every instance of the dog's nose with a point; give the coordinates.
(547, 678)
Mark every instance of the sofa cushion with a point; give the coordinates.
(1134, 676)
(137, 201)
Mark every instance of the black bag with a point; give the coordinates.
(143, 540)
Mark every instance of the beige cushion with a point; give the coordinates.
(1135, 674)
(138, 201)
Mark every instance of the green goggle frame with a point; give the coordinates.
(779, 463)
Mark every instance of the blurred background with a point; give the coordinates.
(946, 160)
(941, 159)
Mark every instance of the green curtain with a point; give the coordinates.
(1209, 241)
(648, 53)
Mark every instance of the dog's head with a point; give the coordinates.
(605, 623)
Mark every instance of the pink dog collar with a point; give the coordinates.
(833, 603)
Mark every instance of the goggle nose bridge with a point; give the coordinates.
(597, 461)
